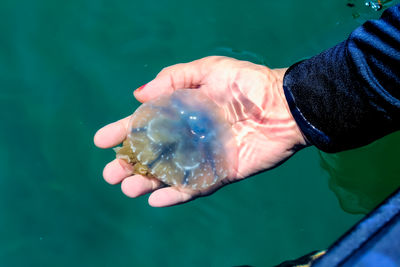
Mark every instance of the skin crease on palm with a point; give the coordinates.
(254, 104)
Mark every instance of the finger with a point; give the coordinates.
(138, 185)
(179, 76)
(112, 134)
(116, 171)
(169, 196)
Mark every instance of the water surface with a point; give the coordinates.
(67, 68)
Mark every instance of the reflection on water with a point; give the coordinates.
(376, 6)
(362, 8)
(364, 177)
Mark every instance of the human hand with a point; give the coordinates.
(254, 104)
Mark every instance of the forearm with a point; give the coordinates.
(349, 95)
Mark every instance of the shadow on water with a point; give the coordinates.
(364, 177)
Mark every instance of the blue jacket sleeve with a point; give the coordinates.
(349, 95)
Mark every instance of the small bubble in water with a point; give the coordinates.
(376, 6)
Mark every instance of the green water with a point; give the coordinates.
(67, 68)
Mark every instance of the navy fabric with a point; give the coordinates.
(349, 95)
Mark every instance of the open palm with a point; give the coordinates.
(254, 105)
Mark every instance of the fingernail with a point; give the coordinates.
(141, 87)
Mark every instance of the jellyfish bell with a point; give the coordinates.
(182, 139)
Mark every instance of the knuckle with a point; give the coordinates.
(171, 69)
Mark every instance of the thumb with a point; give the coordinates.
(179, 76)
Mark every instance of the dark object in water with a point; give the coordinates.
(375, 241)
(304, 261)
(350, 3)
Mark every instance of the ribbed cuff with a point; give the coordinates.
(314, 136)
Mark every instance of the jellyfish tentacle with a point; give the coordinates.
(210, 160)
(138, 130)
(185, 179)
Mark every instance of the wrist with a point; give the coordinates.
(298, 137)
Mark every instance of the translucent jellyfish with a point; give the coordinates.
(181, 139)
